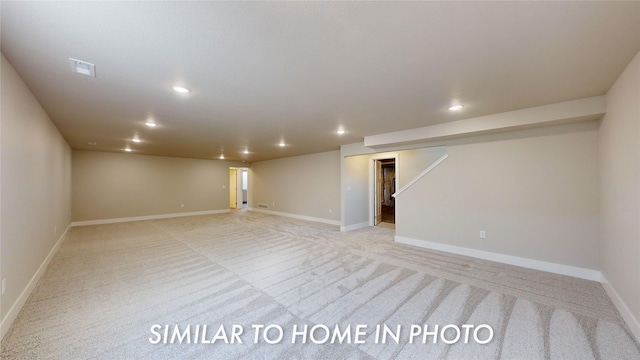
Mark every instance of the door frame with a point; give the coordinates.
(238, 191)
(373, 161)
(233, 188)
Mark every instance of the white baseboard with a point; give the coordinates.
(354, 226)
(22, 299)
(295, 216)
(574, 271)
(148, 217)
(627, 315)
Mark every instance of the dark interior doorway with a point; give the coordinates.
(386, 188)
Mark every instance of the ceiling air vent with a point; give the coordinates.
(82, 67)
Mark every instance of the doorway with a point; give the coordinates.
(238, 188)
(385, 187)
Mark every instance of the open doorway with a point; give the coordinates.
(385, 186)
(238, 188)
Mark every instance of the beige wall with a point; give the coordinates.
(413, 162)
(356, 178)
(355, 187)
(35, 187)
(307, 185)
(619, 140)
(112, 185)
(534, 192)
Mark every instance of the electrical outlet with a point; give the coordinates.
(330, 211)
(55, 230)
(4, 285)
(181, 205)
(483, 234)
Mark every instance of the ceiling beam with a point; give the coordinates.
(586, 109)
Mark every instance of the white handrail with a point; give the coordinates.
(423, 173)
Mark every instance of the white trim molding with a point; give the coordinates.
(627, 315)
(22, 299)
(352, 227)
(295, 216)
(148, 217)
(561, 269)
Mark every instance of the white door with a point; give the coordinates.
(378, 195)
(233, 195)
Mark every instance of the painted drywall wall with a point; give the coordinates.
(619, 162)
(534, 192)
(307, 185)
(112, 185)
(412, 162)
(355, 187)
(36, 190)
(357, 177)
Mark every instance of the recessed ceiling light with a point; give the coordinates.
(180, 89)
(136, 139)
(282, 144)
(341, 132)
(128, 149)
(455, 107)
(245, 152)
(150, 123)
(92, 143)
(221, 157)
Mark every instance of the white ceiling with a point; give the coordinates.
(265, 71)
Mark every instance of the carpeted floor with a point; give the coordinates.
(110, 284)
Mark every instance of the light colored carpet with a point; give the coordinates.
(108, 285)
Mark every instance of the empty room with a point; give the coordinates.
(320, 180)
